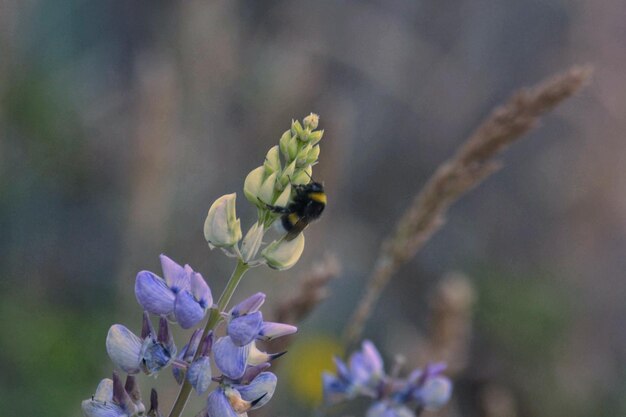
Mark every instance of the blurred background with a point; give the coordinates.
(122, 121)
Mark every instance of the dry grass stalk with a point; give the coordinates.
(450, 323)
(472, 163)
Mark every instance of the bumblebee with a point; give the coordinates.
(307, 205)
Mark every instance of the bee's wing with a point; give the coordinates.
(297, 228)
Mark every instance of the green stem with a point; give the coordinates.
(214, 319)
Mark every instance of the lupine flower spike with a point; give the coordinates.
(182, 296)
(364, 375)
(270, 187)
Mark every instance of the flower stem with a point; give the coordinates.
(214, 318)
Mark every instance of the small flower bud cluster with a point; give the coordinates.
(288, 164)
(271, 182)
(364, 375)
(183, 297)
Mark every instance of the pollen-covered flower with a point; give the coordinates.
(183, 295)
(113, 399)
(364, 375)
(149, 353)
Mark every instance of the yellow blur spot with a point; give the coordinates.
(318, 197)
(293, 218)
(307, 359)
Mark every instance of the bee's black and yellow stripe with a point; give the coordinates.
(307, 205)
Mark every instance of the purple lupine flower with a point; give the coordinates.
(361, 376)
(430, 388)
(366, 367)
(112, 399)
(199, 372)
(182, 295)
(384, 409)
(149, 353)
(245, 324)
(364, 375)
(230, 358)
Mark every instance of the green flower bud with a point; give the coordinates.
(311, 121)
(304, 152)
(303, 176)
(266, 193)
(252, 242)
(282, 254)
(252, 185)
(293, 148)
(272, 160)
(316, 136)
(287, 173)
(298, 130)
(284, 142)
(283, 198)
(222, 227)
(303, 155)
(313, 154)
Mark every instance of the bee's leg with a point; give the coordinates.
(275, 209)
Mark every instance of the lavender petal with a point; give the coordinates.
(175, 275)
(187, 310)
(244, 329)
(153, 293)
(199, 374)
(271, 330)
(229, 358)
(124, 348)
(218, 405)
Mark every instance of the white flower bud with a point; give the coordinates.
(252, 242)
(303, 176)
(266, 192)
(272, 160)
(283, 198)
(287, 173)
(252, 185)
(282, 254)
(222, 228)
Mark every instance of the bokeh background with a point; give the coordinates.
(123, 120)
